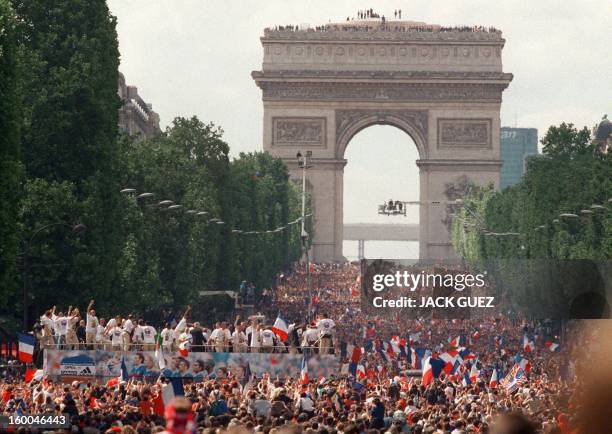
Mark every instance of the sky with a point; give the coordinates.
(195, 57)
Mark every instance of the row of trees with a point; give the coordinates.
(544, 264)
(569, 176)
(62, 160)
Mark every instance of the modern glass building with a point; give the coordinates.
(516, 145)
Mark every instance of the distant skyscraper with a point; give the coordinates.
(136, 117)
(516, 145)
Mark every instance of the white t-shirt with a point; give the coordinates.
(220, 336)
(238, 338)
(267, 338)
(47, 323)
(128, 325)
(91, 324)
(168, 337)
(138, 335)
(61, 325)
(116, 335)
(325, 326)
(149, 334)
(256, 338)
(311, 335)
(99, 333)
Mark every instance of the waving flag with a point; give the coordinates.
(431, 369)
(124, 376)
(528, 345)
(467, 354)
(33, 374)
(159, 356)
(384, 350)
(360, 371)
(304, 371)
(449, 357)
(466, 380)
(26, 348)
(455, 370)
(552, 346)
(369, 332)
(515, 378)
(456, 342)
(281, 328)
(494, 379)
(418, 355)
(474, 372)
(172, 390)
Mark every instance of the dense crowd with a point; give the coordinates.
(381, 24)
(380, 386)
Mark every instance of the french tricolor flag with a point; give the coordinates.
(281, 328)
(360, 372)
(431, 369)
(474, 373)
(456, 342)
(494, 379)
(449, 360)
(528, 345)
(552, 346)
(26, 348)
(304, 371)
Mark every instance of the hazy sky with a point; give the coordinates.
(195, 57)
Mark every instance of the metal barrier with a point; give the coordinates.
(192, 348)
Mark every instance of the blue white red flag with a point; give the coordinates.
(304, 371)
(26, 348)
(281, 328)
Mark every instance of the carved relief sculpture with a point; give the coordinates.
(299, 131)
(464, 133)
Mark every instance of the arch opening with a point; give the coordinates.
(381, 165)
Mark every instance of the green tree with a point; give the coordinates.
(568, 178)
(565, 140)
(10, 165)
(69, 55)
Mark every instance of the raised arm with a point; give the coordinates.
(90, 305)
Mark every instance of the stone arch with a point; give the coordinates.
(320, 88)
(351, 122)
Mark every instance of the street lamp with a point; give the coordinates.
(77, 230)
(303, 162)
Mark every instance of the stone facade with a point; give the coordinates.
(136, 117)
(444, 89)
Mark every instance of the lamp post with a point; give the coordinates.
(77, 229)
(303, 162)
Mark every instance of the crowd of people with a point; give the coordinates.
(370, 21)
(380, 387)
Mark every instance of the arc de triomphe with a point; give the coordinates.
(442, 87)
